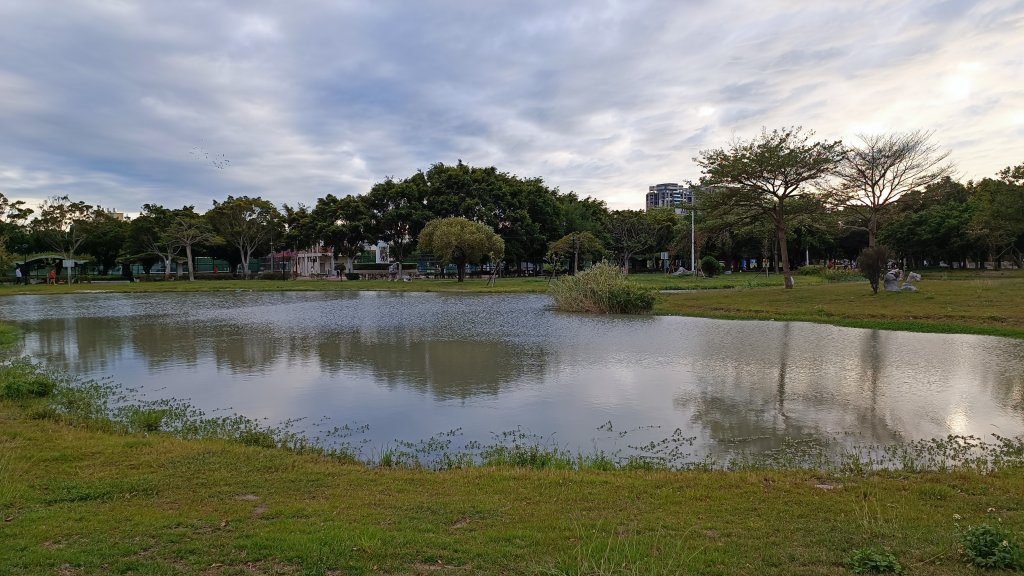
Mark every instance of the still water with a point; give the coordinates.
(413, 365)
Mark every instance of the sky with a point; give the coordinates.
(179, 102)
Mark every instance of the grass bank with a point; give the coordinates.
(987, 303)
(76, 501)
(503, 285)
(91, 485)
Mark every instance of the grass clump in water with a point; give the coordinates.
(603, 289)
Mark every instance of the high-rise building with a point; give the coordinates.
(669, 195)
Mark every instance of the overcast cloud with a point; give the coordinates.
(121, 103)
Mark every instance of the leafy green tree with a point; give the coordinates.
(585, 215)
(762, 174)
(524, 212)
(933, 223)
(300, 230)
(344, 224)
(147, 241)
(106, 238)
(63, 225)
(998, 214)
(460, 241)
(882, 168)
(14, 234)
(188, 229)
(398, 211)
(574, 245)
(632, 233)
(246, 224)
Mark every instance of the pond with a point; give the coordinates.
(408, 366)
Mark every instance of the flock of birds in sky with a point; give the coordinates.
(218, 161)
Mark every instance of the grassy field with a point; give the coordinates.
(655, 281)
(987, 303)
(74, 501)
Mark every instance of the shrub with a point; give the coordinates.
(710, 266)
(352, 276)
(21, 379)
(829, 274)
(144, 419)
(873, 560)
(603, 289)
(873, 262)
(988, 546)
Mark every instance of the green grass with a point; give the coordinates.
(503, 285)
(80, 501)
(987, 303)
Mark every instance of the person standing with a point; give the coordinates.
(51, 278)
(17, 275)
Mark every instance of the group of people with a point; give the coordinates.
(21, 277)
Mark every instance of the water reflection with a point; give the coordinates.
(412, 365)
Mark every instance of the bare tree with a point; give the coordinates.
(883, 168)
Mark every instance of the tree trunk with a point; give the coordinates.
(191, 268)
(461, 267)
(167, 266)
(245, 263)
(872, 230)
(784, 256)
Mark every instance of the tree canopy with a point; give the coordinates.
(460, 241)
(760, 175)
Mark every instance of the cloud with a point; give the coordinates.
(107, 99)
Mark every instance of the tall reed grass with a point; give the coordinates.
(603, 289)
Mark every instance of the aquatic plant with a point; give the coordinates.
(602, 289)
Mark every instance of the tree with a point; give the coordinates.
(105, 238)
(245, 223)
(460, 241)
(574, 245)
(187, 229)
(933, 223)
(585, 215)
(884, 167)
(872, 263)
(63, 224)
(343, 224)
(147, 238)
(398, 211)
(631, 232)
(300, 230)
(998, 214)
(760, 175)
(14, 235)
